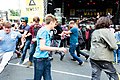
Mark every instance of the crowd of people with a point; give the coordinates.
(52, 37)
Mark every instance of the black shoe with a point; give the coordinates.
(81, 63)
(51, 58)
(18, 55)
(78, 55)
(86, 57)
(62, 56)
(73, 59)
(56, 52)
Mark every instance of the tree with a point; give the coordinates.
(14, 12)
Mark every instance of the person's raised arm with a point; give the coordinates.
(43, 47)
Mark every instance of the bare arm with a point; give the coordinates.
(43, 47)
(22, 42)
(67, 32)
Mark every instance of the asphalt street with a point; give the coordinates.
(61, 70)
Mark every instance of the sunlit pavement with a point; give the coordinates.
(61, 70)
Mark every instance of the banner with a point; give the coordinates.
(32, 8)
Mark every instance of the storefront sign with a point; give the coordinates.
(32, 8)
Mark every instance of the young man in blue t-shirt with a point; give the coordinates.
(73, 41)
(42, 65)
(8, 39)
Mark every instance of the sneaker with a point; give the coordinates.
(73, 59)
(62, 56)
(56, 52)
(29, 64)
(18, 55)
(81, 63)
(78, 55)
(51, 58)
(86, 57)
(21, 62)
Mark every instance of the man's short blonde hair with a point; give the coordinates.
(7, 25)
(72, 22)
(49, 18)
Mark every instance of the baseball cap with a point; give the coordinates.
(24, 19)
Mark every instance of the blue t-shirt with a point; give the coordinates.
(26, 28)
(74, 35)
(8, 42)
(44, 34)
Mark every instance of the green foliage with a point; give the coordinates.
(14, 12)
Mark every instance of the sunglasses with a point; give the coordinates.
(22, 21)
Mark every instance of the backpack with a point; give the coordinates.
(81, 40)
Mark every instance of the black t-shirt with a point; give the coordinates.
(56, 35)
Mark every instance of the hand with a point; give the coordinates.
(62, 34)
(34, 39)
(63, 49)
(21, 46)
(26, 35)
(21, 30)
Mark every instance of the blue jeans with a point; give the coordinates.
(32, 51)
(26, 46)
(42, 67)
(118, 54)
(72, 52)
(106, 66)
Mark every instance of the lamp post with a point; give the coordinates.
(117, 14)
(50, 7)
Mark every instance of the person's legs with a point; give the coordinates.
(115, 57)
(47, 70)
(32, 51)
(80, 52)
(58, 42)
(51, 52)
(38, 69)
(6, 58)
(118, 53)
(27, 44)
(110, 70)
(72, 52)
(84, 54)
(96, 70)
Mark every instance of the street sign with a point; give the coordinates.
(32, 8)
(32, 2)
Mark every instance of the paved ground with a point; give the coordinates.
(61, 70)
